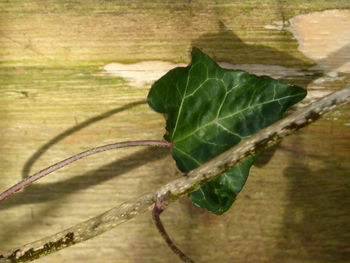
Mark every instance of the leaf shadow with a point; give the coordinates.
(225, 45)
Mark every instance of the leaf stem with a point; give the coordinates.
(27, 181)
(158, 208)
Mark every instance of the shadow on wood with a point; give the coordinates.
(316, 216)
(45, 192)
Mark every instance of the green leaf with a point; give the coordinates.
(210, 109)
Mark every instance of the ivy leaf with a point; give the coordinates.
(210, 109)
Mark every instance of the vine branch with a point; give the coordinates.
(178, 188)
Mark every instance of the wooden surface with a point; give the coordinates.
(60, 95)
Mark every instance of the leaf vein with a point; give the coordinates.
(182, 102)
(231, 115)
(187, 155)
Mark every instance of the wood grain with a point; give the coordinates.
(55, 101)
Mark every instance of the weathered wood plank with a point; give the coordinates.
(56, 100)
